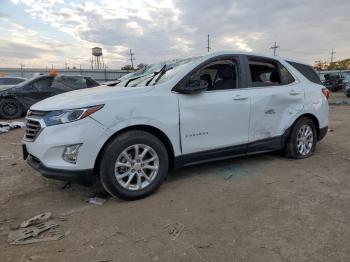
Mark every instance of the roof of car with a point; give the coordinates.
(13, 77)
(226, 52)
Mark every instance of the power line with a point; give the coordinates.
(274, 47)
(132, 59)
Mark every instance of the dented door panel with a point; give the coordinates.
(272, 109)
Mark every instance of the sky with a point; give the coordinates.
(42, 33)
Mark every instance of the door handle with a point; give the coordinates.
(240, 98)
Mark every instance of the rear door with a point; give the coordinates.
(276, 97)
(216, 120)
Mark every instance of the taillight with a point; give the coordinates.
(325, 92)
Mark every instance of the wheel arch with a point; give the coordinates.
(314, 120)
(147, 128)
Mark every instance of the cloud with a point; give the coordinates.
(162, 29)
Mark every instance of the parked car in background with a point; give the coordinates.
(15, 101)
(10, 81)
(333, 81)
(177, 113)
(346, 83)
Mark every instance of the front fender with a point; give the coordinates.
(159, 111)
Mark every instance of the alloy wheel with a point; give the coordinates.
(136, 167)
(305, 140)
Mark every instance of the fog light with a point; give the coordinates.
(70, 153)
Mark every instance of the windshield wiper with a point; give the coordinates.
(162, 72)
(132, 79)
(135, 78)
(155, 74)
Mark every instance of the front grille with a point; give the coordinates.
(33, 128)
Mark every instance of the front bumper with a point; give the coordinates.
(85, 177)
(45, 153)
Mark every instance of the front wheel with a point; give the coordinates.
(302, 140)
(133, 165)
(10, 108)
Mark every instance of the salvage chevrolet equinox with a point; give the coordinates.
(177, 113)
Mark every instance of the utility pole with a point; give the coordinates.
(274, 47)
(132, 59)
(22, 65)
(332, 55)
(208, 41)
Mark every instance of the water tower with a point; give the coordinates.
(97, 58)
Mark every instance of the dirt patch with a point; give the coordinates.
(258, 208)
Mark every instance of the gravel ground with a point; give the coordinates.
(257, 208)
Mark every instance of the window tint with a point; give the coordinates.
(69, 83)
(306, 71)
(268, 72)
(43, 84)
(90, 82)
(220, 75)
(10, 81)
(15, 81)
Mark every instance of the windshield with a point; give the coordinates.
(346, 77)
(155, 73)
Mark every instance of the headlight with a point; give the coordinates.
(66, 116)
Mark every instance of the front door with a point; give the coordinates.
(217, 120)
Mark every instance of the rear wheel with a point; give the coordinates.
(133, 165)
(302, 140)
(10, 108)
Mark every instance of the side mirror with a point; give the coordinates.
(193, 87)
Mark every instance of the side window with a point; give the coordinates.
(13, 81)
(220, 75)
(306, 71)
(90, 83)
(43, 84)
(268, 72)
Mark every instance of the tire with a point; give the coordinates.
(10, 108)
(294, 148)
(119, 166)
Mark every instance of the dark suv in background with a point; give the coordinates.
(15, 101)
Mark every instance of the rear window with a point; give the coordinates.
(306, 71)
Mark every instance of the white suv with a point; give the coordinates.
(173, 114)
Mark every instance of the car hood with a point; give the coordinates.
(5, 87)
(87, 97)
